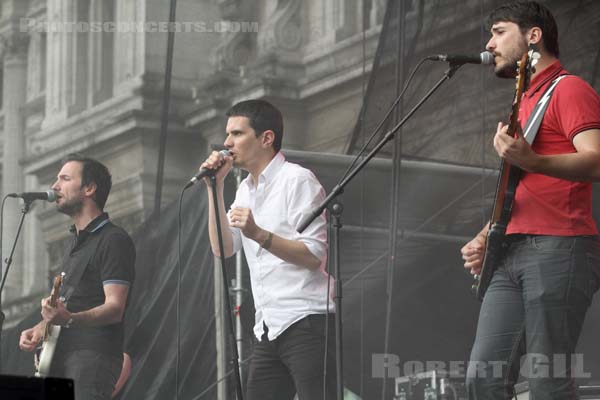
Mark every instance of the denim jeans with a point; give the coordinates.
(94, 373)
(293, 363)
(532, 315)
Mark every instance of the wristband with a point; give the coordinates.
(267, 243)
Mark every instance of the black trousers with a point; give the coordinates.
(94, 373)
(294, 363)
(531, 318)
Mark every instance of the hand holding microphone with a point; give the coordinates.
(218, 163)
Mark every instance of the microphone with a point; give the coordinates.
(484, 58)
(206, 171)
(48, 195)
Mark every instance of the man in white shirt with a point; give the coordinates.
(287, 268)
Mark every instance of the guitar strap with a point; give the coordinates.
(535, 119)
(75, 265)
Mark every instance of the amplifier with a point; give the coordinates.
(30, 388)
(429, 385)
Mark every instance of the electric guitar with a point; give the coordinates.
(45, 353)
(506, 187)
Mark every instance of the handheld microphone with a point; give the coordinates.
(48, 195)
(484, 58)
(206, 171)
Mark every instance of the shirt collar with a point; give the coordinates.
(548, 74)
(272, 168)
(95, 225)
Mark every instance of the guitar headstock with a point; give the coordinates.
(525, 68)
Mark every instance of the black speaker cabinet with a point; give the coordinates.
(30, 388)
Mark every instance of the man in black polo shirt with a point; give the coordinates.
(99, 271)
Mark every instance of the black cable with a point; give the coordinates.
(1, 259)
(178, 297)
(327, 316)
(2, 316)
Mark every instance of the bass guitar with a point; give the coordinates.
(506, 187)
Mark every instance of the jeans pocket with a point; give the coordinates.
(554, 243)
(593, 270)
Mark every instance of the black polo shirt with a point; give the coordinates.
(107, 255)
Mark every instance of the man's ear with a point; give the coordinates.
(268, 137)
(90, 189)
(534, 36)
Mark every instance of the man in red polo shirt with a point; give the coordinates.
(534, 308)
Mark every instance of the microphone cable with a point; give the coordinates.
(177, 295)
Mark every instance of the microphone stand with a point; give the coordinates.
(24, 211)
(339, 189)
(227, 316)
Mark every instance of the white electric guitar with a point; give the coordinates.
(45, 353)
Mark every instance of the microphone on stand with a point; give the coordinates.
(484, 58)
(206, 171)
(48, 195)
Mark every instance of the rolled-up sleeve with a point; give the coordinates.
(305, 194)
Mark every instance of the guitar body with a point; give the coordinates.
(45, 353)
(496, 237)
(505, 191)
(44, 360)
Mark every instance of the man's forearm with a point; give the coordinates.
(105, 314)
(292, 251)
(584, 167)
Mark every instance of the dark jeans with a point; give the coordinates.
(532, 315)
(94, 373)
(293, 362)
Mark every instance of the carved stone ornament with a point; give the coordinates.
(282, 30)
(232, 52)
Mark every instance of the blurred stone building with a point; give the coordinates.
(87, 76)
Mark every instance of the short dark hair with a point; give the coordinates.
(263, 116)
(93, 171)
(528, 14)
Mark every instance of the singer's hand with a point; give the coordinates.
(242, 218)
(217, 161)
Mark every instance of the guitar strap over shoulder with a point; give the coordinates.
(535, 119)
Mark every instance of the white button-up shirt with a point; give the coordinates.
(283, 292)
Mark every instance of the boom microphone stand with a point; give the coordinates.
(24, 211)
(339, 189)
(232, 341)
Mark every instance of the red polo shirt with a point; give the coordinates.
(545, 205)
